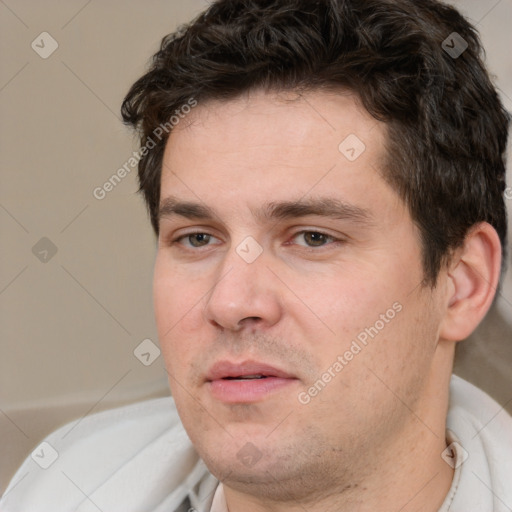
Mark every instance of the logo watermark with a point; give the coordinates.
(45, 455)
(455, 45)
(44, 45)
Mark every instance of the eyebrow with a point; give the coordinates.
(272, 211)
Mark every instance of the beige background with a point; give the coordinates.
(69, 325)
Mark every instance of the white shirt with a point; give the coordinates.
(219, 500)
(139, 458)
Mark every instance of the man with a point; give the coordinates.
(326, 182)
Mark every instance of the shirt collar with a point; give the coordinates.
(219, 500)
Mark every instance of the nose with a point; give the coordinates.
(245, 295)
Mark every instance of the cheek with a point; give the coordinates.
(400, 347)
(372, 321)
(343, 303)
(178, 305)
(177, 296)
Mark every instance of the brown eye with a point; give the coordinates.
(313, 238)
(194, 240)
(198, 239)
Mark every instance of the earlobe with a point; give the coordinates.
(473, 278)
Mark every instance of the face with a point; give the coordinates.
(288, 293)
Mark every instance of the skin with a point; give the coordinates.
(372, 438)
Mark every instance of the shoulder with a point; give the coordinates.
(130, 452)
(483, 428)
(474, 410)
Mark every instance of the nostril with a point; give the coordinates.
(249, 320)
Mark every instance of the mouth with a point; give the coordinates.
(247, 377)
(246, 382)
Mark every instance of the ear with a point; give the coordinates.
(472, 280)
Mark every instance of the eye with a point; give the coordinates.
(194, 240)
(314, 238)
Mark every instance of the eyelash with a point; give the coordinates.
(333, 239)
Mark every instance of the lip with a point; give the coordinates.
(224, 369)
(223, 388)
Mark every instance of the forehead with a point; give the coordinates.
(276, 146)
(288, 118)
